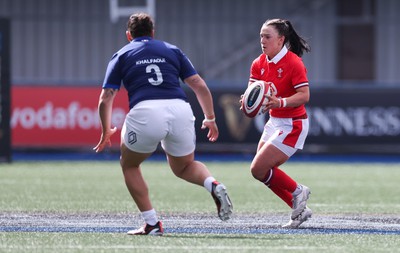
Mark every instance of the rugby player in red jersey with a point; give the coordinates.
(285, 132)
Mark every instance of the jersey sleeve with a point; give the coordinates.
(255, 70)
(259, 68)
(187, 69)
(113, 77)
(299, 76)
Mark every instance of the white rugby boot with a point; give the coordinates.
(147, 229)
(222, 200)
(300, 201)
(304, 216)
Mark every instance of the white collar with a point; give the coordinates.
(280, 55)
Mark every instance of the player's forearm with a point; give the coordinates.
(300, 98)
(105, 111)
(105, 108)
(203, 95)
(206, 103)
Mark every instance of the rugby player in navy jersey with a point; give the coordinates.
(151, 71)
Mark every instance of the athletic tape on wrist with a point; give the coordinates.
(209, 120)
(282, 102)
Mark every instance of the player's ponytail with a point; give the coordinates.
(295, 43)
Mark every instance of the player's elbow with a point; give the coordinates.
(306, 99)
(303, 96)
(196, 83)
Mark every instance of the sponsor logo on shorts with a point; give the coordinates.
(132, 137)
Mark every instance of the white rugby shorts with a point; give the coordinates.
(169, 121)
(287, 134)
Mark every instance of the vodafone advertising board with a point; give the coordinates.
(47, 116)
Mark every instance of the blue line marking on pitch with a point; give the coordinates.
(201, 230)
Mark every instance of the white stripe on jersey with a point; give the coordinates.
(300, 85)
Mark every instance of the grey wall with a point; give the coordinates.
(70, 41)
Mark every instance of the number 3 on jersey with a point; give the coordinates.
(153, 68)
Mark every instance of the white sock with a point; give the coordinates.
(150, 217)
(298, 190)
(208, 183)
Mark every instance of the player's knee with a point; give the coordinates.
(260, 174)
(256, 172)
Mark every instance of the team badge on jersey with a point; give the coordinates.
(280, 70)
(262, 71)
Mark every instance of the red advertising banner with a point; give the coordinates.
(53, 116)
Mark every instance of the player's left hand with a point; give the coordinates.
(105, 140)
(213, 132)
(241, 102)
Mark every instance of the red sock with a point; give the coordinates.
(282, 185)
(283, 194)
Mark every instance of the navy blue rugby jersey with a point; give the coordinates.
(149, 69)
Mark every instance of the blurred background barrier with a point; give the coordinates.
(69, 42)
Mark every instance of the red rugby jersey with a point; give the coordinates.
(286, 72)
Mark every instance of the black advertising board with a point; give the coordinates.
(5, 133)
(344, 120)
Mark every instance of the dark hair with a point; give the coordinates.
(295, 43)
(140, 24)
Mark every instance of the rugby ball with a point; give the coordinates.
(254, 98)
